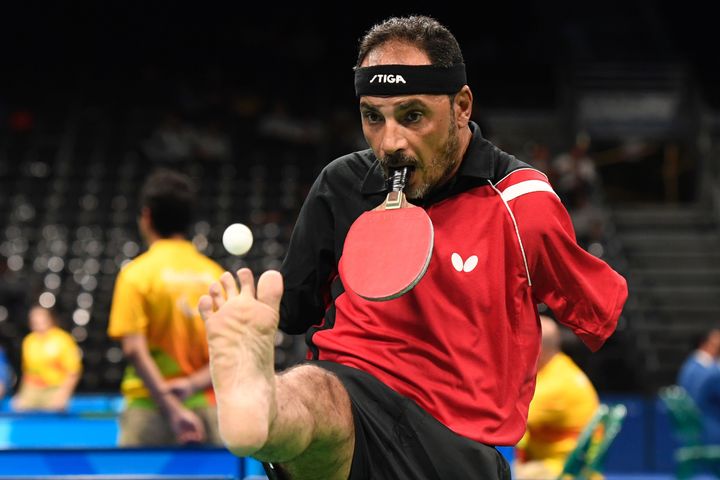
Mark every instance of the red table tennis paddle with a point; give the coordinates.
(387, 250)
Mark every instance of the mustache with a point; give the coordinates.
(397, 160)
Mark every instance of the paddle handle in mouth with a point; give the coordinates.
(397, 181)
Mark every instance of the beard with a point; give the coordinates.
(434, 173)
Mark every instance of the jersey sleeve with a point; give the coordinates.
(127, 313)
(583, 292)
(309, 265)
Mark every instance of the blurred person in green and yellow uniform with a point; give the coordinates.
(167, 387)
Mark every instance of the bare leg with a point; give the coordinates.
(301, 418)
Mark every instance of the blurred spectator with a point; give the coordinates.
(700, 377)
(167, 386)
(6, 374)
(540, 159)
(171, 142)
(589, 222)
(575, 173)
(211, 143)
(51, 364)
(564, 402)
(281, 124)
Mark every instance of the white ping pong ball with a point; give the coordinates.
(237, 239)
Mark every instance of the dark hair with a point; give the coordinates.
(424, 32)
(170, 197)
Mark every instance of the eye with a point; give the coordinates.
(413, 116)
(371, 117)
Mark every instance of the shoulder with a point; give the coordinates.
(511, 177)
(356, 162)
(138, 262)
(567, 372)
(64, 335)
(347, 176)
(504, 164)
(350, 167)
(531, 199)
(211, 265)
(521, 181)
(136, 267)
(567, 363)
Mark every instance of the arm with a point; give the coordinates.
(310, 263)
(582, 290)
(186, 425)
(65, 390)
(184, 387)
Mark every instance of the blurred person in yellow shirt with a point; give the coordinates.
(167, 388)
(51, 364)
(564, 403)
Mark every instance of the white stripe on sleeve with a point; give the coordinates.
(528, 186)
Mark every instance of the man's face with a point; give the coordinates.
(418, 131)
(39, 320)
(714, 343)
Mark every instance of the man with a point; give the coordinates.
(564, 403)
(700, 377)
(423, 386)
(51, 364)
(167, 384)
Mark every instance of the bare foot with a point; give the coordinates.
(241, 328)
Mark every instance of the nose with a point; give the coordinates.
(393, 139)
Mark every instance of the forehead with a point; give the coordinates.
(401, 102)
(395, 53)
(38, 312)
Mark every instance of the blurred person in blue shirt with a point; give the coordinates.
(700, 377)
(6, 374)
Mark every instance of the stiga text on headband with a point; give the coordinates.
(387, 80)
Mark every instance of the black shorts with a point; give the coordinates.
(395, 439)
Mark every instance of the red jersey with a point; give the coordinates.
(464, 342)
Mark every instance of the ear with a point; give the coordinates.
(463, 106)
(145, 220)
(145, 214)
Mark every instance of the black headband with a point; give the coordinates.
(384, 80)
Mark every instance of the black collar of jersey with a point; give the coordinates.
(478, 164)
(479, 160)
